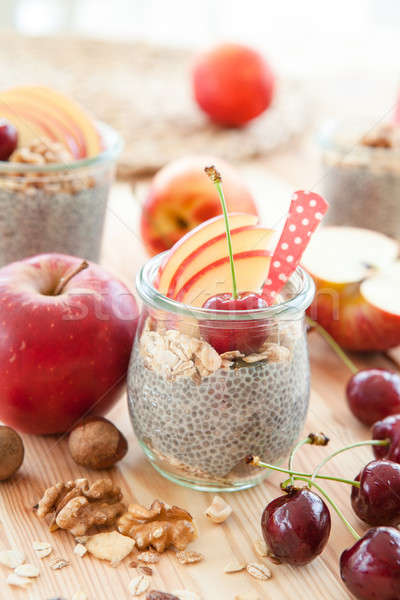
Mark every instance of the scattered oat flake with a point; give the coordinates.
(14, 579)
(234, 567)
(186, 557)
(146, 570)
(248, 596)
(80, 550)
(219, 510)
(231, 354)
(186, 595)
(11, 558)
(139, 585)
(260, 547)
(59, 563)
(42, 549)
(27, 570)
(148, 557)
(259, 571)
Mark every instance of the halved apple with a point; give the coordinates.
(358, 286)
(38, 111)
(250, 237)
(193, 240)
(251, 271)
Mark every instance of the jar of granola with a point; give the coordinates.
(197, 414)
(361, 175)
(50, 202)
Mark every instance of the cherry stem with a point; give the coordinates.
(254, 460)
(307, 440)
(215, 177)
(67, 278)
(344, 449)
(331, 502)
(333, 344)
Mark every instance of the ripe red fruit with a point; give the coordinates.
(377, 500)
(296, 526)
(388, 428)
(370, 568)
(8, 139)
(245, 336)
(373, 394)
(232, 84)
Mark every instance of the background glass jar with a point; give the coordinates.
(361, 183)
(56, 207)
(198, 414)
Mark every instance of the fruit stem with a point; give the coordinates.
(256, 462)
(69, 275)
(350, 447)
(297, 447)
(333, 344)
(332, 503)
(215, 177)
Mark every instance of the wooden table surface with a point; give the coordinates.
(47, 461)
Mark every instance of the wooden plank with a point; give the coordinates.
(47, 460)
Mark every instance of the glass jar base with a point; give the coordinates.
(202, 485)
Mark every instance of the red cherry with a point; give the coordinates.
(370, 569)
(373, 394)
(8, 139)
(245, 336)
(388, 429)
(377, 500)
(296, 526)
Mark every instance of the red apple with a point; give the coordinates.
(181, 196)
(232, 84)
(64, 352)
(357, 277)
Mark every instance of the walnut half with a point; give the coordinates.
(160, 526)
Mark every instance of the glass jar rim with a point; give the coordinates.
(152, 297)
(114, 146)
(329, 137)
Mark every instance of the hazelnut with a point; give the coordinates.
(96, 443)
(11, 452)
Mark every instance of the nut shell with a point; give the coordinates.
(97, 444)
(11, 452)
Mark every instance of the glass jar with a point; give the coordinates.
(361, 183)
(56, 207)
(198, 414)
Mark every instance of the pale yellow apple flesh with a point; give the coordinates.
(251, 271)
(382, 290)
(245, 238)
(193, 240)
(348, 254)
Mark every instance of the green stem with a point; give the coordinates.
(333, 504)
(258, 463)
(215, 177)
(333, 344)
(297, 447)
(350, 447)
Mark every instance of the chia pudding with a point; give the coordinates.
(198, 414)
(50, 202)
(361, 179)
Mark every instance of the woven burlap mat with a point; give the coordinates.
(144, 92)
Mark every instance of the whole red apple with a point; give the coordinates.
(232, 84)
(65, 341)
(181, 197)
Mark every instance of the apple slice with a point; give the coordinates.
(251, 270)
(243, 238)
(193, 240)
(358, 281)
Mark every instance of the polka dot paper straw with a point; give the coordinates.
(305, 214)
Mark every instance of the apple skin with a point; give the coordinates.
(65, 356)
(353, 322)
(232, 84)
(181, 196)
